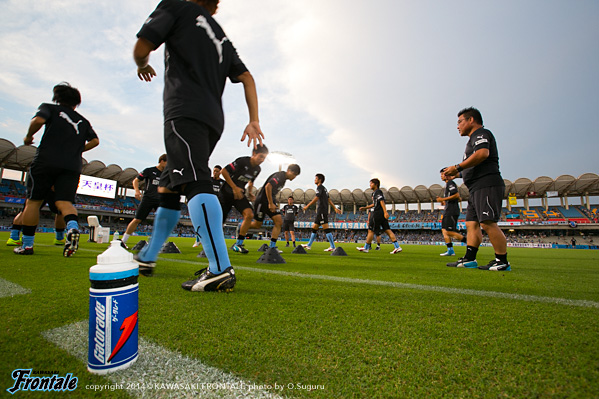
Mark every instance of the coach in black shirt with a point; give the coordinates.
(480, 171)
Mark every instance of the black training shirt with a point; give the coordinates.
(151, 178)
(485, 174)
(65, 135)
(198, 59)
(277, 181)
(323, 200)
(377, 197)
(290, 211)
(451, 206)
(242, 172)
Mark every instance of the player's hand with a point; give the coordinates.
(237, 193)
(337, 210)
(386, 215)
(253, 133)
(146, 73)
(28, 140)
(450, 171)
(138, 195)
(272, 207)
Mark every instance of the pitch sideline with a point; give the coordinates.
(160, 372)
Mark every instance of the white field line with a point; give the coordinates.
(8, 288)
(159, 372)
(446, 290)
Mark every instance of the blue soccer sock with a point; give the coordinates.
(396, 244)
(59, 234)
(312, 238)
(164, 223)
(28, 236)
(207, 217)
(331, 240)
(273, 242)
(367, 246)
(15, 232)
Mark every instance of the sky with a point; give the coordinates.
(353, 90)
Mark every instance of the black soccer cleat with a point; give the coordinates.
(240, 248)
(23, 251)
(72, 243)
(146, 268)
(497, 266)
(123, 245)
(208, 281)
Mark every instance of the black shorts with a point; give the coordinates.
(228, 201)
(321, 218)
(40, 181)
(378, 224)
(288, 225)
(450, 222)
(261, 210)
(485, 204)
(147, 205)
(189, 144)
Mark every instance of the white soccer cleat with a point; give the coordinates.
(306, 247)
(396, 250)
(329, 249)
(362, 249)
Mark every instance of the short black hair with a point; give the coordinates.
(294, 168)
(472, 112)
(67, 95)
(162, 158)
(377, 182)
(260, 149)
(291, 197)
(218, 167)
(321, 177)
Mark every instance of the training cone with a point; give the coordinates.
(299, 250)
(169, 248)
(139, 245)
(263, 248)
(271, 255)
(338, 252)
(202, 255)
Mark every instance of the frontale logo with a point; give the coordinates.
(55, 383)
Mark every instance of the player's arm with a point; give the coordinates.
(271, 204)
(93, 143)
(476, 158)
(250, 190)
(363, 208)
(252, 130)
(34, 126)
(135, 184)
(237, 192)
(337, 210)
(141, 55)
(384, 206)
(309, 204)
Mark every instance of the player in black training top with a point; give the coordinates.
(150, 200)
(449, 224)
(480, 171)
(239, 173)
(289, 213)
(57, 164)
(379, 221)
(265, 203)
(199, 58)
(322, 213)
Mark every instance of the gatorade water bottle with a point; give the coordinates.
(113, 305)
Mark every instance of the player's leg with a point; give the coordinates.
(474, 236)
(276, 230)
(292, 233)
(492, 201)
(368, 244)
(15, 231)
(314, 234)
(30, 219)
(329, 235)
(246, 212)
(59, 229)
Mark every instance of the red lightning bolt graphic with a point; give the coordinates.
(128, 326)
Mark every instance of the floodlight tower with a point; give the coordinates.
(281, 158)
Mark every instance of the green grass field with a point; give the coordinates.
(363, 326)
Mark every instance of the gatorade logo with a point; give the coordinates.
(100, 337)
(127, 327)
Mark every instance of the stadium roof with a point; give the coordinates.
(19, 158)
